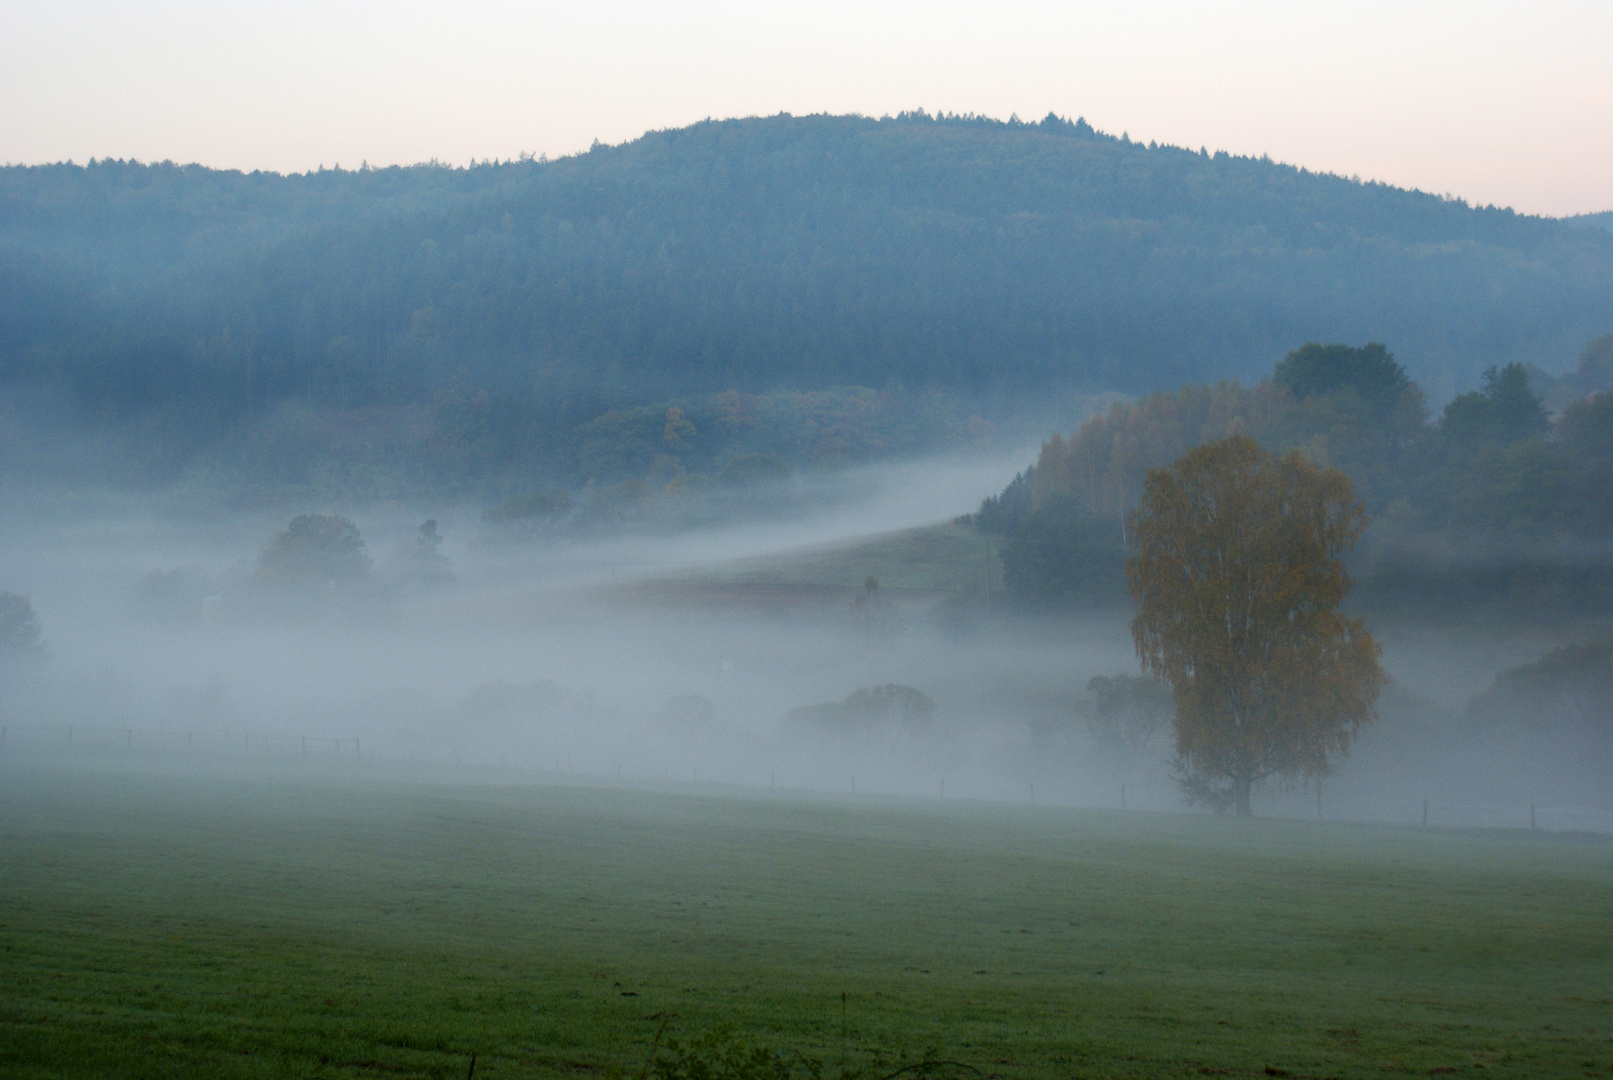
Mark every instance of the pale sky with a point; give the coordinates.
(1506, 103)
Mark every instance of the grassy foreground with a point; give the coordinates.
(276, 926)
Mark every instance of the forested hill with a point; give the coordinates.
(782, 253)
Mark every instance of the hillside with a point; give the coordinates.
(978, 258)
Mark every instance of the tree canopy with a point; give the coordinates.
(1237, 574)
(316, 549)
(1504, 410)
(1369, 372)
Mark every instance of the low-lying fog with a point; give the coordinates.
(650, 657)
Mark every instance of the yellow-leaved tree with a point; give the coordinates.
(1237, 576)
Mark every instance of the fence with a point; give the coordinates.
(1516, 816)
(87, 737)
(51, 738)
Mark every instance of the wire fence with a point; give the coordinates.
(91, 739)
(1552, 818)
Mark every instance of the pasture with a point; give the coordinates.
(376, 923)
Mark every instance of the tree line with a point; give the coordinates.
(1497, 497)
(994, 261)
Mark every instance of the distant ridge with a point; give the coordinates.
(972, 255)
(1602, 220)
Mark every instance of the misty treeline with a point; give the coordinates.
(378, 329)
(1601, 220)
(316, 558)
(1498, 498)
(1569, 688)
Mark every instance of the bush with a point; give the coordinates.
(316, 549)
(19, 627)
(867, 710)
(723, 1055)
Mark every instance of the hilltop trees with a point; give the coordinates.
(1513, 498)
(1355, 407)
(468, 324)
(1237, 578)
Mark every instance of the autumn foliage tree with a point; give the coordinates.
(1237, 576)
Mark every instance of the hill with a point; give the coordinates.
(1603, 220)
(980, 258)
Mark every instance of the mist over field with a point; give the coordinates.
(712, 653)
(797, 598)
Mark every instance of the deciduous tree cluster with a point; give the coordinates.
(1493, 497)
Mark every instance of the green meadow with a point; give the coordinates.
(373, 924)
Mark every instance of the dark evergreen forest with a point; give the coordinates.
(497, 310)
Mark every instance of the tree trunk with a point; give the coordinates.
(1240, 788)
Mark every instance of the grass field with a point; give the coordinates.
(949, 557)
(278, 924)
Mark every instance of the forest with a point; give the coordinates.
(486, 322)
(1500, 499)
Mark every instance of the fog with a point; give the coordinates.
(685, 656)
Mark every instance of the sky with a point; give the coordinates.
(1504, 103)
